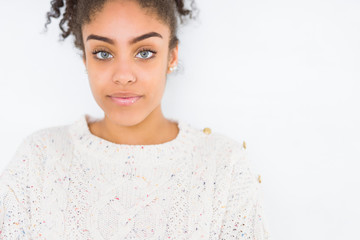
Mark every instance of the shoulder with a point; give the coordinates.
(45, 139)
(38, 147)
(230, 155)
(224, 148)
(209, 134)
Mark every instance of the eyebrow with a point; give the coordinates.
(132, 41)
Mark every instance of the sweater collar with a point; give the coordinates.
(82, 136)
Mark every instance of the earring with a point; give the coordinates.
(173, 68)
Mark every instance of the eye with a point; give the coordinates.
(146, 54)
(101, 54)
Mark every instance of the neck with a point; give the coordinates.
(154, 129)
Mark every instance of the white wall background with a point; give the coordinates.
(281, 75)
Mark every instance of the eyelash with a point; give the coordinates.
(96, 51)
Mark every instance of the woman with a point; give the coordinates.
(133, 174)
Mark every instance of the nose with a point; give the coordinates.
(123, 73)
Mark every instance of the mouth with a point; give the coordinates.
(125, 101)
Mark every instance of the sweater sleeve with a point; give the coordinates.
(244, 215)
(14, 200)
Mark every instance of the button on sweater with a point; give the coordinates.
(66, 183)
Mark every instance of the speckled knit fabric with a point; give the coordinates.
(66, 183)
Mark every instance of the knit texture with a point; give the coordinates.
(66, 183)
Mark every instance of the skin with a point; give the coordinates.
(126, 67)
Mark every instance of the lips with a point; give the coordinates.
(124, 98)
(124, 95)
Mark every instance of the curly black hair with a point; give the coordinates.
(80, 12)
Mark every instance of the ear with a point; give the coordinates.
(173, 58)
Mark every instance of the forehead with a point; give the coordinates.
(123, 20)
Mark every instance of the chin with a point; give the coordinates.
(125, 119)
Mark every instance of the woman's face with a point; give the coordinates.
(127, 50)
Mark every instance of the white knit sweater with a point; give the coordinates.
(66, 183)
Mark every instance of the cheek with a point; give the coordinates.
(98, 85)
(152, 82)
